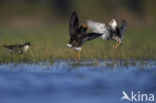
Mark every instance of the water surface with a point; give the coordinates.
(93, 81)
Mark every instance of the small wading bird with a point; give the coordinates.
(18, 48)
(110, 32)
(78, 35)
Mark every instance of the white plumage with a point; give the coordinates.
(75, 48)
(98, 27)
(110, 32)
(25, 48)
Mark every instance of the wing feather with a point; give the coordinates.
(123, 28)
(91, 36)
(98, 27)
(73, 24)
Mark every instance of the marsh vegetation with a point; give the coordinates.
(50, 43)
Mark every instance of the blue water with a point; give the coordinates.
(70, 82)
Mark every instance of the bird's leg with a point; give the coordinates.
(114, 45)
(117, 45)
(119, 42)
(78, 54)
(75, 55)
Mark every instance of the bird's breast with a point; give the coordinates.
(25, 49)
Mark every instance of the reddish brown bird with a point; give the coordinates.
(78, 35)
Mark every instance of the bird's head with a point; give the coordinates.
(27, 44)
(113, 24)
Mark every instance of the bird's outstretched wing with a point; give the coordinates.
(123, 28)
(91, 36)
(98, 27)
(73, 24)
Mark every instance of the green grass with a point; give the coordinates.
(50, 43)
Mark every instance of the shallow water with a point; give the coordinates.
(69, 82)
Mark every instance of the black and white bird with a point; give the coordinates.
(78, 35)
(110, 31)
(18, 48)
